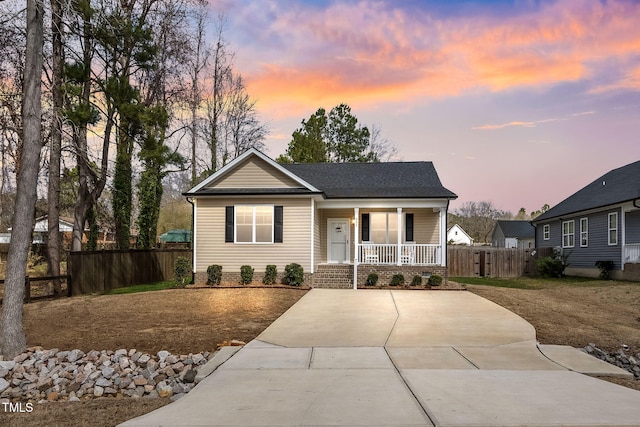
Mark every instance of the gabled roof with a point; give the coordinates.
(202, 188)
(373, 180)
(461, 229)
(345, 180)
(617, 186)
(517, 229)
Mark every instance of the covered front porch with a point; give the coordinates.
(386, 233)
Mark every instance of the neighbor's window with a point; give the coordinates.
(568, 236)
(254, 224)
(613, 228)
(546, 232)
(584, 232)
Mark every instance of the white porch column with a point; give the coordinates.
(356, 250)
(443, 236)
(399, 260)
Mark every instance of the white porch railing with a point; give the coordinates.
(632, 252)
(410, 254)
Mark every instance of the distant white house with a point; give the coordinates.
(457, 236)
(41, 229)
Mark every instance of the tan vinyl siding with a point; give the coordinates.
(426, 226)
(212, 249)
(255, 173)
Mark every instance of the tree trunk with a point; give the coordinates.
(54, 245)
(13, 338)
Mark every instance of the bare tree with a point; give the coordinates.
(220, 75)
(196, 64)
(13, 339)
(384, 149)
(479, 218)
(242, 128)
(54, 245)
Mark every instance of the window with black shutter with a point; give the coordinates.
(365, 227)
(408, 227)
(278, 215)
(228, 224)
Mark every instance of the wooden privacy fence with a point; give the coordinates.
(102, 271)
(37, 287)
(465, 261)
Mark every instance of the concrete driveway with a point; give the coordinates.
(401, 358)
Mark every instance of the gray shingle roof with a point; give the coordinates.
(373, 180)
(617, 186)
(518, 229)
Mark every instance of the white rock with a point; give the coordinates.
(7, 364)
(108, 372)
(102, 382)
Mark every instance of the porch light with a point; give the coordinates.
(353, 221)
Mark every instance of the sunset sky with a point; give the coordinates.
(516, 102)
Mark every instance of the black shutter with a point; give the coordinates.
(365, 227)
(408, 227)
(228, 224)
(277, 224)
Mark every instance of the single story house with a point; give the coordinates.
(457, 236)
(339, 221)
(514, 234)
(600, 222)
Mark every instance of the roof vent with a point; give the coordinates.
(604, 183)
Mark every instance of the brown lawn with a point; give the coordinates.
(195, 320)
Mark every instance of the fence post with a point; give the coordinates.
(27, 289)
(69, 290)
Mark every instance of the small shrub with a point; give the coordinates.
(397, 280)
(214, 274)
(416, 281)
(182, 271)
(435, 280)
(293, 274)
(605, 268)
(553, 266)
(246, 274)
(372, 279)
(270, 275)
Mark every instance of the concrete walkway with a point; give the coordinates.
(401, 358)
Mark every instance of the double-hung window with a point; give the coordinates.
(254, 224)
(613, 228)
(384, 227)
(568, 234)
(546, 232)
(584, 232)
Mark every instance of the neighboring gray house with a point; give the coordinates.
(514, 234)
(601, 222)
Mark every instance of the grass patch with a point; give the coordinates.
(538, 282)
(147, 287)
(511, 282)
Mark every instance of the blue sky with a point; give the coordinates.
(517, 102)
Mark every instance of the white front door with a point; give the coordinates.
(338, 240)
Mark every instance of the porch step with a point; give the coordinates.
(333, 276)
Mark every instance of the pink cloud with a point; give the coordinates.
(369, 52)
